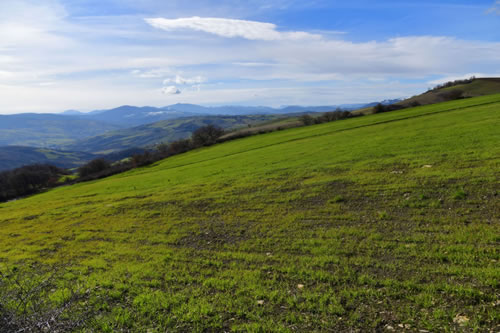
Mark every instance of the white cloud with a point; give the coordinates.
(152, 74)
(171, 90)
(230, 28)
(27, 24)
(185, 81)
(51, 61)
(495, 9)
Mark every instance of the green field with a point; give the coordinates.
(377, 223)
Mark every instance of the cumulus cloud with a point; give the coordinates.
(170, 90)
(230, 28)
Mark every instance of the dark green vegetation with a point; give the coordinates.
(47, 130)
(390, 220)
(28, 180)
(12, 157)
(160, 132)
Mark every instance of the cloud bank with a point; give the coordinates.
(229, 28)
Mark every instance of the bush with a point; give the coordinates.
(333, 116)
(306, 120)
(143, 159)
(206, 135)
(453, 83)
(179, 147)
(452, 94)
(379, 108)
(93, 167)
(28, 180)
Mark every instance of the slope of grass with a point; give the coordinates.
(476, 88)
(386, 222)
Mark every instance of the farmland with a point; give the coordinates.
(383, 222)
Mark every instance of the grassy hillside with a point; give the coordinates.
(476, 88)
(158, 132)
(378, 223)
(15, 156)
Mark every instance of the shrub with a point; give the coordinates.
(452, 94)
(94, 167)
(379, 108)
(206, 135)
(179, 147)
(28, 180)
(306, 120)
(334, 116)
(453, 83)
(143, 159)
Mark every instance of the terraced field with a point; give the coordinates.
(389, 222)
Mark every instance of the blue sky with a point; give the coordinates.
(94, 54)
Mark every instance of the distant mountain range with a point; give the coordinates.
(127, 115)
(57, 130)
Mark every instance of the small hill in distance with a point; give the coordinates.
(455, 90)
(161, 132)
(473, 87)
(48, 130)
(12, 157)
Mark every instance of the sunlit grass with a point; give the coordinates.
(390, 219)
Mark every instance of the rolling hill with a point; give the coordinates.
(377, 223)
(47, 130)
(476, 88)
(131, 116)
(12, 157)
(159, 132)
(59, 130)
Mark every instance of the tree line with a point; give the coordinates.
(28, 180)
